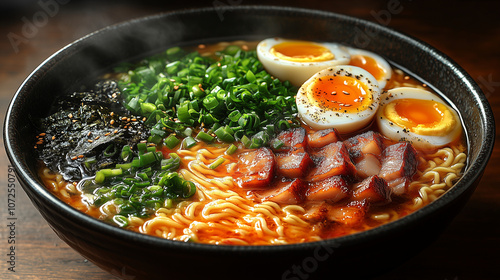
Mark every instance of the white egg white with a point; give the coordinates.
(380, 61)
(398, 133)
(297, 72)
(319, 117)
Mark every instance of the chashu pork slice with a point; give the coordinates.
(365, 143)
(293, 164)
(398, 160)
(285, 192)
(350, 214)
(321, 138)
(331, 160)
(399, 164)
(255, 170)
(289, 140)
(373, 189)
(331, 190)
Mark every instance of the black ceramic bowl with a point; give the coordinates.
(135, 256)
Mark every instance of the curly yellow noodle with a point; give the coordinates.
(273, 207)
(293, 208)
(48, 174)
(108, 209)
(387, 216)
(439, 186)
(295, 220)
(450, 179)
(263, 209)
(188, 153)
(135, 221)
(280, 229)
(380, 217)
(64, 193)
(262, 223)
(178, 217)
(59, 179)
(71, 188)
(223, 183)
(192, 209)
(444, 168)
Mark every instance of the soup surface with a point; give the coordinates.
(205, 144)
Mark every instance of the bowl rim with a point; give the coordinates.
(471, 174)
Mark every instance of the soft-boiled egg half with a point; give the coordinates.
(343, 97)
(418, 116)
(373, 63)
(296, 61)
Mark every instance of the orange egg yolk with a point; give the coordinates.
(301, 51)
(369, 64)
(340, 93)
(420, 112)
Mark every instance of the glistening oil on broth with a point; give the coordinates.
(222, 212)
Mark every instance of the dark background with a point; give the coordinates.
(467, 31)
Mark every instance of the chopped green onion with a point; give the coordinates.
(203, 136)
(154, 139)
(169, 203)
(234, 116)
(188, 132)
(151, 149)
(89, 162)
(133, 105)
(171, 141)
(142, 184)
(159, 132)
(120, 220)
(217, 163)
(224, 134)
(250, 76)
(188, 142)
(147, 108)
(99, 178)
(142, 147)
(110, 150)
(147, 158)
(136, 162)
(231, 149)
(124, 166)
(232, 50)
(210, 102)
(142, 175)
(246, 141)
(197, 92)
(102, 174)
(171, 163)
(174, 53)
(126, 153)
(192, 189)
(277, 144)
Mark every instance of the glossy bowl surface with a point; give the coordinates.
(134, 256)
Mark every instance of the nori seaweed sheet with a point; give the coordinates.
(82, 125)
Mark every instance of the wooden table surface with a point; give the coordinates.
(467, 31)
